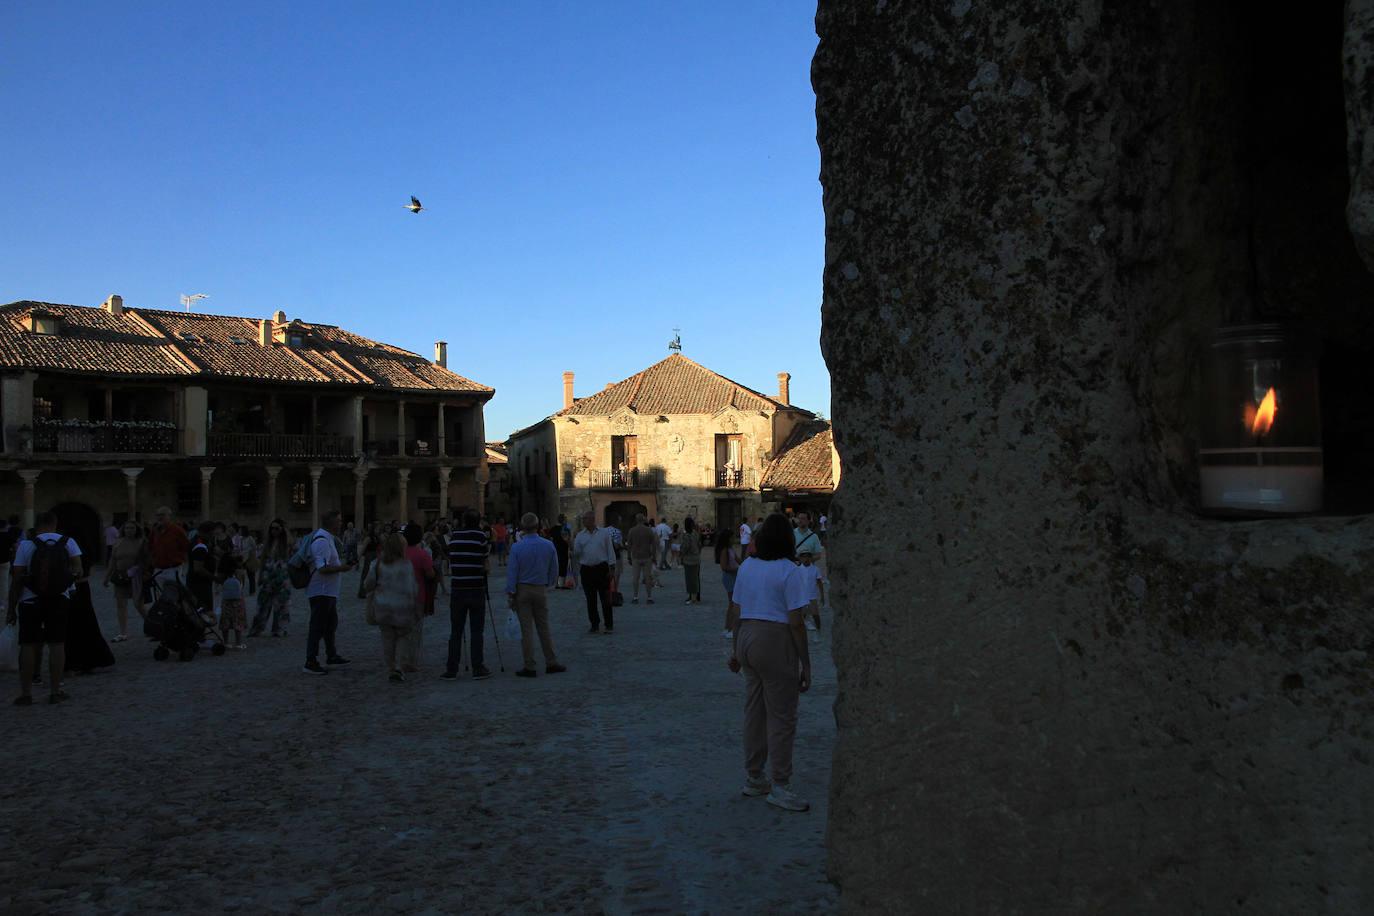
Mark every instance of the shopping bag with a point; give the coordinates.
(512, 625)
(9, 648)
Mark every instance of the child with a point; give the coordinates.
(233, 614)
(816, 586)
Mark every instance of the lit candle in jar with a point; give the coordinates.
(1261, 456)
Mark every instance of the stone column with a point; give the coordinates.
(131, 485)
(272, 472)
(443, 434)
(400, 427)
(316, 471)
(205, 507)
(30, 478)
(403, 478)
(444, 474)
(480, 478)
(359, 501)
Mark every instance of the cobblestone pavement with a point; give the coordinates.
(240, 784)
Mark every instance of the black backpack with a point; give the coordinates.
(50, 572)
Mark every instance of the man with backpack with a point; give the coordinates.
(43, 579)
(318, 562)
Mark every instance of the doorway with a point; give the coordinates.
(81, 523)
(729, 515)
(622, 514)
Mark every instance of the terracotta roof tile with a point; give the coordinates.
(804, 462)
(154, 342)
(675, 385)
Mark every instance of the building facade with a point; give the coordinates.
(671, 441)
(111, 412)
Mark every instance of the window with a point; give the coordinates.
(295, 340)
(300, 496)
(249, 497)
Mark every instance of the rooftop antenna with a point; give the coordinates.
(676, 343)
(188, 301)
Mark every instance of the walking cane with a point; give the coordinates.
(491, 615)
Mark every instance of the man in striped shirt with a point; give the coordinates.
(468, 552)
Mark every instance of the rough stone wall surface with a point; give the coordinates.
(1059, 690)
(1359, 102)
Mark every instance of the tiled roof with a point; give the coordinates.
(804, 462)
(157, 343)
(675, 385)
(496, 453)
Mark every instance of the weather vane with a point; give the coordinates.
(676, 343)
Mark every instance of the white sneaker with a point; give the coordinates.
(810, 624)
(783, 797)
(755, 786)
(726, 634)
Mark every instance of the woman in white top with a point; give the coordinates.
(393, 598)
(766, 616)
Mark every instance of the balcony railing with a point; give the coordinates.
(105, 438)
(631, 479)
(279, 445)
(735, 480)
(416, 448)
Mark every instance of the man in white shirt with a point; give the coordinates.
(809, 541)
(594, 556)
(665, 535)
(44, 578)
(323, 593)
(746, 534)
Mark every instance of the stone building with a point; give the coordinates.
(113, 411)
(673, 440)
(498, 488)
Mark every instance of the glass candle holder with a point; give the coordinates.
(1260, 449)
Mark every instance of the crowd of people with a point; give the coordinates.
(773, 574)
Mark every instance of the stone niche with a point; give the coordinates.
(1080, 694)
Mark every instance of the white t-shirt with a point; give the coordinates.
(745, 533)
(768, 589)
(811, 575)
(807, 541)
(23, 556)
(663, 532)
(323, 553)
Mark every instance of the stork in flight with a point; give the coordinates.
(414, 205)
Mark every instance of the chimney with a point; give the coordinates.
(441, 354)
(785, 388)
(114, 305)
(279, 317)
(265, 332)
(567, 390)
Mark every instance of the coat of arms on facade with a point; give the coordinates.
(676, 444)
(729, 424)
(624, 424)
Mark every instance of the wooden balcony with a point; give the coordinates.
(280, 445)
(104, 438)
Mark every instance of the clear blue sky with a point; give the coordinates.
(599, 173)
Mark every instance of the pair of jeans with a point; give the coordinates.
(596, 581)
(465, 607)
(324, 623)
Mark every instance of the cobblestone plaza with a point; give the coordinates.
(239, 784)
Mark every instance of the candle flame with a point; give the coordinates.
(1261, 420)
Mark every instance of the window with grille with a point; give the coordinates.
(300, 495)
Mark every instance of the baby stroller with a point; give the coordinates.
(178, 624)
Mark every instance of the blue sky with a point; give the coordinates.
(598, 173)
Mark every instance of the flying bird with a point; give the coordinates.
(414, 205)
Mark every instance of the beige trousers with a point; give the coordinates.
(532, 607)
(772, 677)
(390, 637)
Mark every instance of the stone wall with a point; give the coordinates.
(1076, 695)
